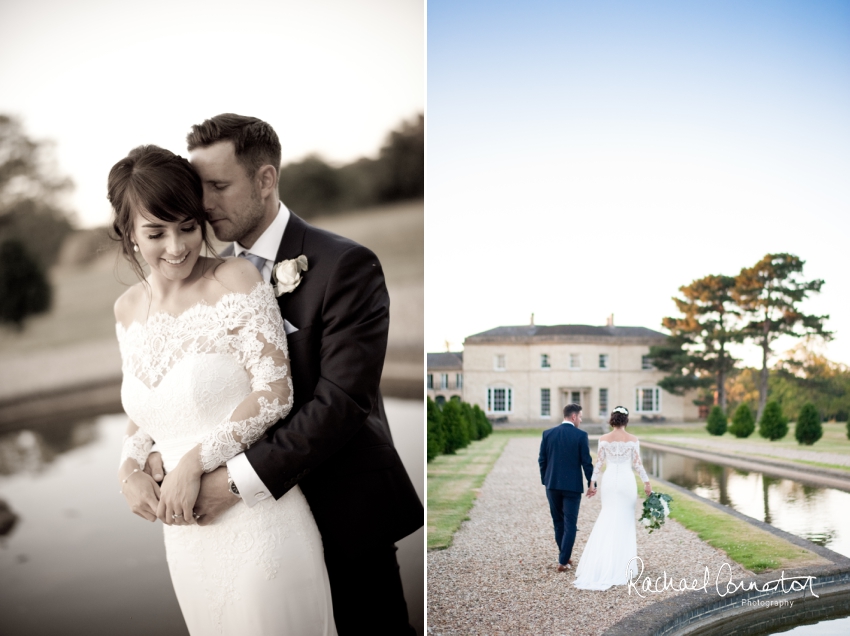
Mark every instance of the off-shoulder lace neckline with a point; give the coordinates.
(618, 441)
(192, 309)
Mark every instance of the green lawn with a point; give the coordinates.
(834, 438)
(755, 549)
(454, 482)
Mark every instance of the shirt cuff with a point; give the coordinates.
(251, 487)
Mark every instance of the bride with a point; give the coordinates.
(206, 372)
(612, 542)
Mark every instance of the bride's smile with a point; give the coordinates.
(170, 248)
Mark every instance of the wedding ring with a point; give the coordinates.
(176, 516)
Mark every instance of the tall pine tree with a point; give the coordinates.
(697, 353)
(770, 292)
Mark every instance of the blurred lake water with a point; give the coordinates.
(78, 561)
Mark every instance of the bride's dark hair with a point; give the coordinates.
(162, 184)
(618, 419)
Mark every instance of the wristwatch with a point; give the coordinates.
(232, 484)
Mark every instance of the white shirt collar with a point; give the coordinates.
(567, 422)
(269, 241)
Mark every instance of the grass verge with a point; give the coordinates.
(755, 549)
(454, 480)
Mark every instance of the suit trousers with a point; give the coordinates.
(563, 505)
(367, 593)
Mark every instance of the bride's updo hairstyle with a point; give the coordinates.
(160, 183)
(619, 417)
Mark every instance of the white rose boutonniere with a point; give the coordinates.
(287, 274)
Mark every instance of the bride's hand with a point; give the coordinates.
(140, 490)
(647, 488)
(179, 491)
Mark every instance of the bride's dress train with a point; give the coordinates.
(217, 375)
(612, 542)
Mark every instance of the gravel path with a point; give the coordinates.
(757, 449)
(500, 577)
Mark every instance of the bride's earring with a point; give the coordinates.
(135, 247)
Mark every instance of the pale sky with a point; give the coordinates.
(590, 158)
(100, 77)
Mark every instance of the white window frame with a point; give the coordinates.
(429, 381)
(499, 362)
(545, 362)
(656, 401)
(645, 364)
(607, 402)
(491, 398)
(607, 359)
(458, 380)
(546, 412)
(444, 380)
(575, 358)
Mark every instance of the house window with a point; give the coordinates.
(545, 403)
(499, 400)
(544, 361)
(499, 361)
(575, 361)
(575, 397)
(603, 402)
(429, 382)
(603, 360)
(440, 400)
(646, 363)
(444, 380)
(648, 399)
(459, 380)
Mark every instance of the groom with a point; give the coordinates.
(335, 443)
(564, 452)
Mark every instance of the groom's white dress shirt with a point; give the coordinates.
(251, 487)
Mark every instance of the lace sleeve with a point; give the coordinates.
(136, 446)
(600, 460)
(259, 344)
(637, 464)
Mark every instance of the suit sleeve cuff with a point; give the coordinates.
(251, 487)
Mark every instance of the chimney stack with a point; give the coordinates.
(532, 319)
(610, 321)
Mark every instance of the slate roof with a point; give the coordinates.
(445, 360)
(543, 331)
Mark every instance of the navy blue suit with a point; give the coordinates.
(564, 452)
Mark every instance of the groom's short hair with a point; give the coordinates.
(571, 409)
(255, 142)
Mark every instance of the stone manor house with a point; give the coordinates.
(528, 374)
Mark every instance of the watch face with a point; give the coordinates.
(233, 488)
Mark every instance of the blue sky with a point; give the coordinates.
(589, 158)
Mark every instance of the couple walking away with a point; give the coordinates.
(283, 495)
(564, 453)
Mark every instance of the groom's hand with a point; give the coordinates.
(214, 497)
(153, 467)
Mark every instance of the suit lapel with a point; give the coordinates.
(291, 246)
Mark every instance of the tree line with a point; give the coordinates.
(312, 186)
(758, 305)
(453, 426)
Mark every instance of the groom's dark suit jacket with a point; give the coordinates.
(564, 452)
(336, 443)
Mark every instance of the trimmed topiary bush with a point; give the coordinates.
(716, 424)
(457, 435)
(484, 426)
(436, 434)
(743, 422)
(471, 424)
(808, 429)
(773, 424)
(24, 288)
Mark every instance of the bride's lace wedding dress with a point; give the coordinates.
(612, 542)
(217, 375)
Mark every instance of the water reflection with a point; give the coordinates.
(821, 515)
(31, 450)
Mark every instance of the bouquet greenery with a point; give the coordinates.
(655, 511)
